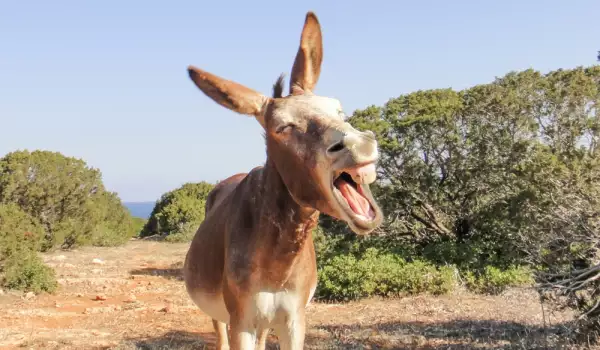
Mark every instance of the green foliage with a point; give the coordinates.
(347, 277)
(179, 212)
(495, 176)
(138, 225)
(184, 233)
(353, 268)
(26, 271)
(493, 280)
(66, 197)
(21, 236)
(459, 166)
(19, 231)
(115, 225)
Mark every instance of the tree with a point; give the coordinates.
(499, 174)
(179, 211)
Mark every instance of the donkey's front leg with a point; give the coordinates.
(262, 339)
(291, 334)
(242, 334)
(222, 337)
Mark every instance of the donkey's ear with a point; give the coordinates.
(307, 66)
(231, 95)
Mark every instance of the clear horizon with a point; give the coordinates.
(107, 82)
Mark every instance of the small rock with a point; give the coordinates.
(59, 258)
(98, 310)
(1, 291)
(79, 295)
(165, 309)
(118, 308)
(98, 261)
(29, 295)
(57, 305)
(101, 297)
(69, 266)
(131, 298)
(96, 271)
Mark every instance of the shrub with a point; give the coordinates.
(19, 231)
(20, 238)
(138, 225)
(178, 211)
(327, 245)
(114, 224)
(66, 196)
(26, 271)
(348, 277)
(183, 234)
(493, 280)
(474, 254)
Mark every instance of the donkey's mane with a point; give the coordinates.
(278, 86)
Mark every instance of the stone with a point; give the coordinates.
(98, 261)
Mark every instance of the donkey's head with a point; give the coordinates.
(324, 162)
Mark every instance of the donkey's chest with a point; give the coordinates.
(276, 306)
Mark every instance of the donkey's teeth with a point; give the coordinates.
(365, 174)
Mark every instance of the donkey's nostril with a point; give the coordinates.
(336, 148)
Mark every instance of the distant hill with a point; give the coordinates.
(140, 209)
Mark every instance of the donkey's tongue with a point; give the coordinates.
(359, 204)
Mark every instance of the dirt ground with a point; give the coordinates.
(132, 297)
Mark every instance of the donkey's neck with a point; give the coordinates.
(285, 224)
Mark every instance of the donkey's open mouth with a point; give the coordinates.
(352, 192)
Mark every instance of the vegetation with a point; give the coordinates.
(347, 277)
(138, 225)
(352, 267)
(48, 201)
(178, 213)
(21, 236)
(66, 197)
(497, 180)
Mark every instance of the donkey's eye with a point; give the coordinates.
(285, 128)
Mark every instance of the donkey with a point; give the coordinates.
(251, 264)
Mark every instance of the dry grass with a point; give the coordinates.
(146, 307)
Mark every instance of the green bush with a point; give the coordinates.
(114, 224)
(178, 211)
(347, 277)
(66, 196)
(26, 271)
(138, 225)
(474, 254)
(19, 231)
(183, 234)
(353, 267)
(21, 236)
(493, 280)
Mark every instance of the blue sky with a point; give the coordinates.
(106, 81)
